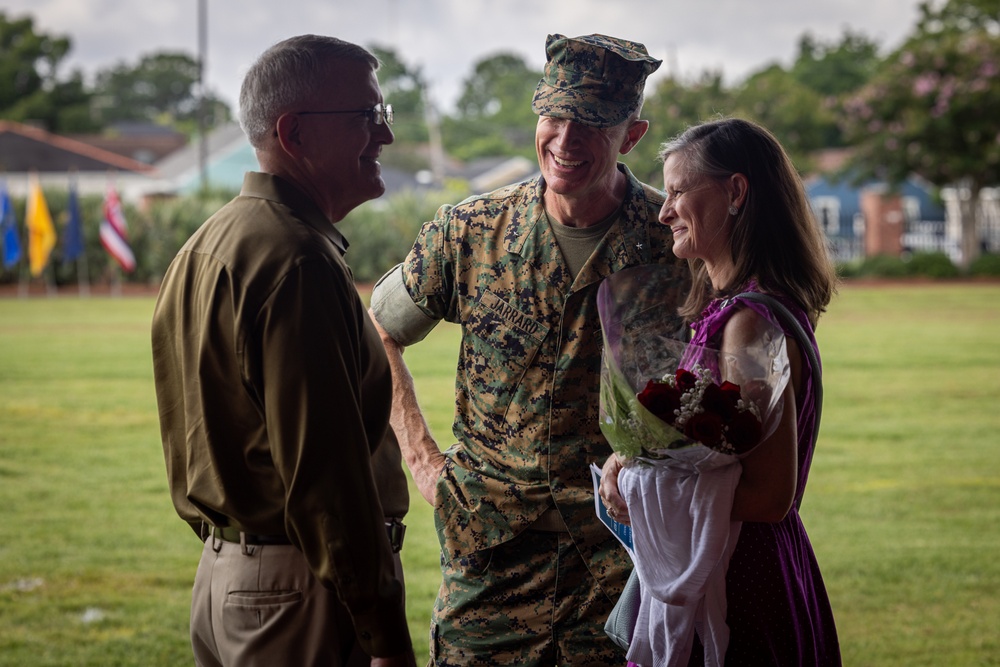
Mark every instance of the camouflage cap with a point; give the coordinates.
(595, 79)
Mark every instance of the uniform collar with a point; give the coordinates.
(280, 191)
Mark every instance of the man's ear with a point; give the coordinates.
(635, 132)
(289, 133)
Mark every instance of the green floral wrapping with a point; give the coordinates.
(629, 427)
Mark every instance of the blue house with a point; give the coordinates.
(228, 157)
(840, 210)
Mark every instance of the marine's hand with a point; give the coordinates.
(609, 490)
(425, 476)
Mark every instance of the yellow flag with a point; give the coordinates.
(41, 232)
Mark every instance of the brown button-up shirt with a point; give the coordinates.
(274, 391)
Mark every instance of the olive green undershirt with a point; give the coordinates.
(578, 243)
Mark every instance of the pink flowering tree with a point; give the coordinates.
(934, 108)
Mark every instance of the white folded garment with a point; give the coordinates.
(683, 538)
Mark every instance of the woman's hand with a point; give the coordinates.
(613, 500)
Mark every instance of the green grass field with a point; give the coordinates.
(903, 505)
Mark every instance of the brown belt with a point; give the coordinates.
(550, 521)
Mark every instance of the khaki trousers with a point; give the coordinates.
(261, 605)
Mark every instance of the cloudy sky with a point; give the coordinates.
(444, 38)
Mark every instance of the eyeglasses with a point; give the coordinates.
(378, 114)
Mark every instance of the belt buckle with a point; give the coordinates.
(395, 530)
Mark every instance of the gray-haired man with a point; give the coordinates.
(273, 388)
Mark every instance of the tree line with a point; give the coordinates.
(926, 108)
(160, 88)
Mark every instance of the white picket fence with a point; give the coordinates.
(929, 235)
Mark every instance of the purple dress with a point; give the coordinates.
(778, 609)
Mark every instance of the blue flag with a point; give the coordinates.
(74, 228)
(8, 227)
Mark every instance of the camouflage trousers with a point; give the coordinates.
(530, 601)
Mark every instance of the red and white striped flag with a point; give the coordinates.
(114, 231)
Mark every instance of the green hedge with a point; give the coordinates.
(987, 264)
(380, 233)
(936, 265)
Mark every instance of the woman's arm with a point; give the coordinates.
(767, 486)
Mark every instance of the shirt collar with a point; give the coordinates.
(276, 189)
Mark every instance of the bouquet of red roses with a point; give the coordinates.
(715, 415)
(660, 394)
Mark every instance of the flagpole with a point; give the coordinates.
(24, 273)
(77, 237)
(49, 278)
(82, 275)
(116, 281)
(23, 268)
(22, 264)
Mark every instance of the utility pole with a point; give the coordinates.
(202, 109)
(433, 121)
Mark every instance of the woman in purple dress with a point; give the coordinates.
(739, 214)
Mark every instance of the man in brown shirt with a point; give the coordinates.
(273, 387)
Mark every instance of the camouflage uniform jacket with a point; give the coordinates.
(529, 365)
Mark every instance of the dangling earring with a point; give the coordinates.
(733, 210)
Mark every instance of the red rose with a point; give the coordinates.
(731, 391)
(718, 401)
(744, 431)
(704, 427)
(685, 379)
(661, 399)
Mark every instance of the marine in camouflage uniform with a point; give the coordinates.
(529, 573)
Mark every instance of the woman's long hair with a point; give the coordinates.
(775, 238)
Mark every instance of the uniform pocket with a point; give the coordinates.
(250, 611)
(506, 340)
